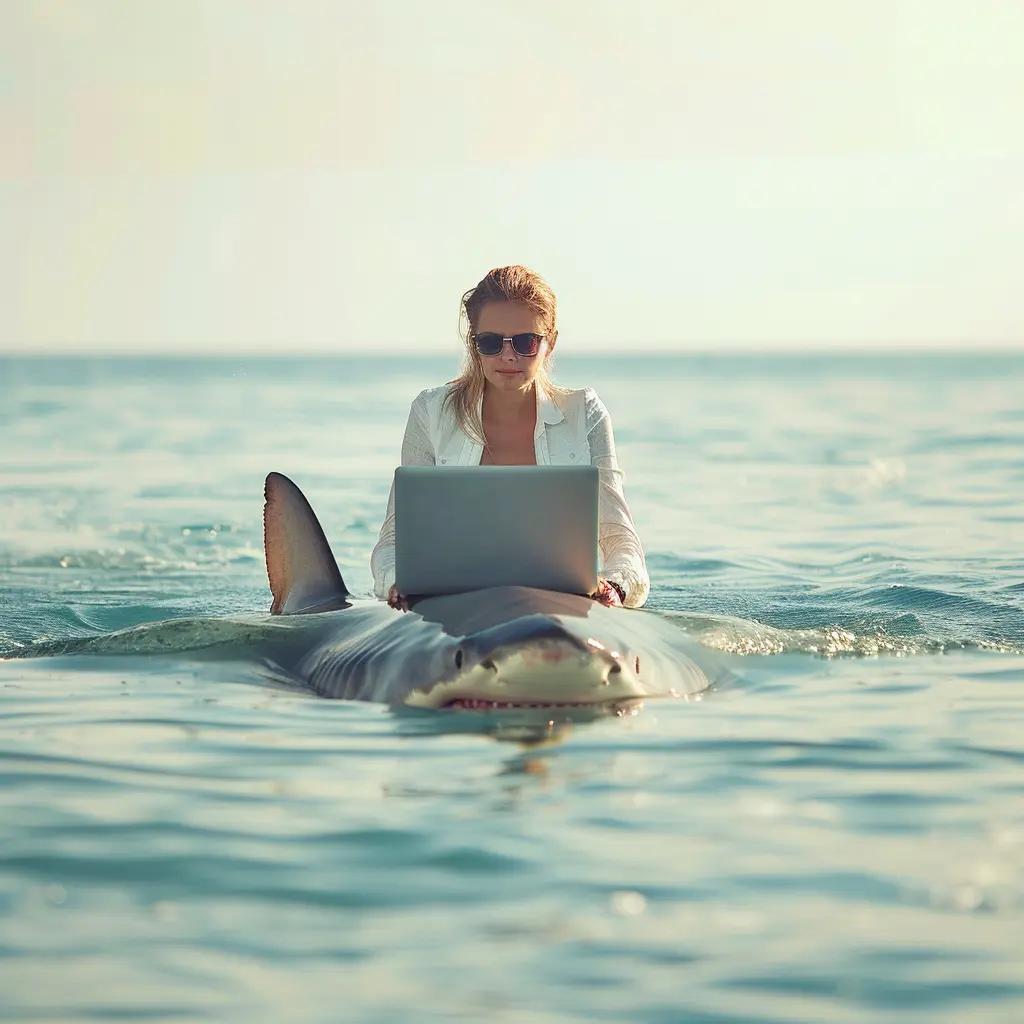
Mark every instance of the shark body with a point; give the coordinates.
(497, 648)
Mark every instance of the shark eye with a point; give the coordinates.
(458, 658)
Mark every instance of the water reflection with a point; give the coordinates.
(529, 727)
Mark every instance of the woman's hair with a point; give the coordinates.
(503, 284)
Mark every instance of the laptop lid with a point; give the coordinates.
(461, 528)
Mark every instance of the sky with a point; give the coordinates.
(231, 176)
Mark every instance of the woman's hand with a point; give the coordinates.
(606, 594)
(397, 599)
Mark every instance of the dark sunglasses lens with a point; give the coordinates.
(526, 344)
(489, 344)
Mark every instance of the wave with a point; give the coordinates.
(747, 637)
(166, 637)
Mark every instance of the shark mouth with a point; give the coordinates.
(480, 704)
(571, 710)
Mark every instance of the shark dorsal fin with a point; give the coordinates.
(303, 574)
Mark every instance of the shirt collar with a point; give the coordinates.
(547, 410)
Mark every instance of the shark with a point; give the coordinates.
(492, 649)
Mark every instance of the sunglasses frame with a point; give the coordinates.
(511, 338)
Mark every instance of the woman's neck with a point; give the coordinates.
(509, 404)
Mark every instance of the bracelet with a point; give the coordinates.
(619, 590)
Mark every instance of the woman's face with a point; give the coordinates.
(508, 370)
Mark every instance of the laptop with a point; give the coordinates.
(461, 528)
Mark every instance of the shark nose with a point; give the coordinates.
(521, 632)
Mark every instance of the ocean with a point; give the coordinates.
(836, 835)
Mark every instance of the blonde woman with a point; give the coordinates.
(504, 410)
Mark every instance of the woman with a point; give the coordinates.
(504, 410)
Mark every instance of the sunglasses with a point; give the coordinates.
(490, 343)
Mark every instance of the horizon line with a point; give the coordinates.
(382, 352)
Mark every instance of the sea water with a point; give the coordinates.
(835, 835)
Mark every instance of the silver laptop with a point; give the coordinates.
(463, 528)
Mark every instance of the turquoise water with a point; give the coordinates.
(838, 835)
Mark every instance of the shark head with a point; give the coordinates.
(532, 660)
(511, 647)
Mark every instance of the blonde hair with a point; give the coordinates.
(503, 284)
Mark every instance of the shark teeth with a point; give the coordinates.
(478, 704)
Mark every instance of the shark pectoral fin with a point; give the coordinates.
(303, 574)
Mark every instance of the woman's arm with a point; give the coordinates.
(621, 550)
(417, 450)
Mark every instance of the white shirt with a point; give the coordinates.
(572, 430)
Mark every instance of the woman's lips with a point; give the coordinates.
(510, 372)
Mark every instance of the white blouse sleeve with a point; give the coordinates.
(621, 551)
(417, 450)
